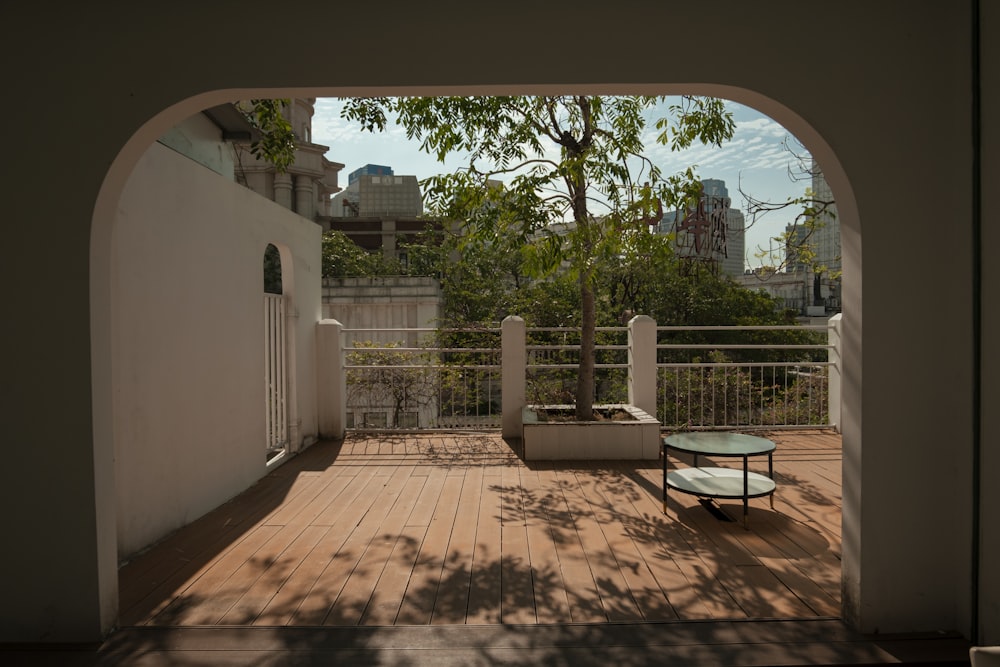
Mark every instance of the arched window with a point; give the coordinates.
(272, 270)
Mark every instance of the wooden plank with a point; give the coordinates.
(615, 596)
(695, 554)
(583, 596)
(311, 504)
(656, 543)
(150, 582)
(517, 592)
(484, 527)
(347, 500)
(614, 495)
(452, 601)
(277, 571)
(186, 607)
(387, 597)
(357, 591)
(484, 591)
(337, 520)
(539, 502)
(418, 601)
(323, 594)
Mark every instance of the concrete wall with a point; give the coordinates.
(891, 128)
(188, 347)
(383, 303)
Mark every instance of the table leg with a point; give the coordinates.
(663, 451)
(746, 490)
(770, 473)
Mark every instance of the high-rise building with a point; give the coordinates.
(713, 232)
(378, 195)
(827, 234)
(812, 250)
(369, 170)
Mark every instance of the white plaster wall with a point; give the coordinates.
(198, 138)
(188, 362)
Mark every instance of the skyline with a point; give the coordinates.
(756, 159)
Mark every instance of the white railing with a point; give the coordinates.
(720, 377)
(744, 384)
(404, 378)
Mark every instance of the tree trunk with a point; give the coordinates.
(588, 325)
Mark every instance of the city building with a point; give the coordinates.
(378, 210)
(812, 254)
(713, 233)
(308, 183)
(369, 170)
(826, 236)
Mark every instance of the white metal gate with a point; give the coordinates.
(275, 377)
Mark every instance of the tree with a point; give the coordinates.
(276, 144)
(574, 164)
(813, 211)
(342, 257)
(380, 377)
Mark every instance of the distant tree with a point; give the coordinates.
(342, 257)
(811, 213)
(569, 159)
(381, 377)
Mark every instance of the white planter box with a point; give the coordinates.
(638, 438)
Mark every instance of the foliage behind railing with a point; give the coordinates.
(707, 377)
(443, 379)
(553, 358)
(777, 377)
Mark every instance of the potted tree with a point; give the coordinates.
(565, 176)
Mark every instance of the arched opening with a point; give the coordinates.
(275, 256)
(912, 557)
(272, 270)
(277, 369)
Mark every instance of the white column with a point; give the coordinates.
(304, 197)
(283, 190)
(331, 380)
(836, 369)
(514, 360)
(642, 363)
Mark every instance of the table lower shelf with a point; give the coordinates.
(719, 482)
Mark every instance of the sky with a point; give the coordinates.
(756, 159)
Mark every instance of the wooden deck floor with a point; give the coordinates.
(454, 529)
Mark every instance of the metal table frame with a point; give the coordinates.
(714, 482)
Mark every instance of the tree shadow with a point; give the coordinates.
(148, 579)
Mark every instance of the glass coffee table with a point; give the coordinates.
(715, 482)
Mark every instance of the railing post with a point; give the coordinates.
(513, 366)
(331, 379)
(642, 363)
(836, 359)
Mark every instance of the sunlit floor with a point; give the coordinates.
(435, 528)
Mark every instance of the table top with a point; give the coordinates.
(719, 443)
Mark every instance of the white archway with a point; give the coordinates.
(102, 309)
